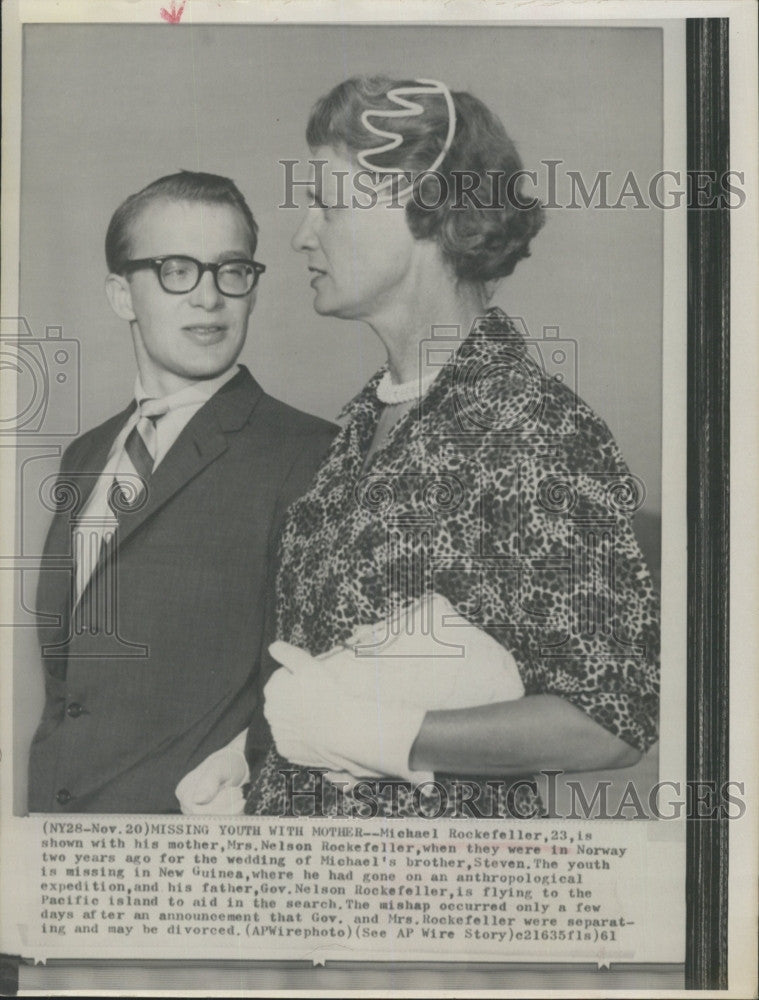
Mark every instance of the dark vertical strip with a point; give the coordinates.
(708, 491)
(9, 975)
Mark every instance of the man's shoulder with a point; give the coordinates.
(294, 442)
(291, 421)
(242, 404)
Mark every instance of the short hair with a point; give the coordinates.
(186, 185)
(480, 243)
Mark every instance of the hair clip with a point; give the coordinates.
(407, 108)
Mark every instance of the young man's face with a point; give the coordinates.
(181, 339)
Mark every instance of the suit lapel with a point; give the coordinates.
(200, 443)
(76, 478)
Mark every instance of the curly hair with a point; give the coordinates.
(483, 235)
(186, 185)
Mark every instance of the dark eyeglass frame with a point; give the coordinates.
(156, 263)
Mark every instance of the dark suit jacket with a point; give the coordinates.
(140, 688)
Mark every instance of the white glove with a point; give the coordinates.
(214, 787)
(429, 656)
(316, 724)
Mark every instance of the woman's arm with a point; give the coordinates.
(316, 722)
(517, 737)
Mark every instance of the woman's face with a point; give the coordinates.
(360, 255)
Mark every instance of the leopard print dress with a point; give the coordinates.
(503, 491)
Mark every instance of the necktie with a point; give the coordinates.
(139, 454)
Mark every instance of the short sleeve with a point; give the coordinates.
(575, 603)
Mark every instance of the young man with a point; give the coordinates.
(177, 504)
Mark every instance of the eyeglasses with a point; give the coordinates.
(179, 274)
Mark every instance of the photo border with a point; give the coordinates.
(708, 438)
(708, 491)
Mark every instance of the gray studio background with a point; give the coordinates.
(107, 109)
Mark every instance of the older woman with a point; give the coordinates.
(463, 475)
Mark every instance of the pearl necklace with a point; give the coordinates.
(391, 393)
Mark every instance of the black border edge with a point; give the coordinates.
(9, 965)
(708, 496)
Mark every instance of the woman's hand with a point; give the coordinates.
(214, 787)
(316, 724)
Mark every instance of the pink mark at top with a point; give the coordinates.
(174, 14)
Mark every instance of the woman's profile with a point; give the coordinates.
(460, 592)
